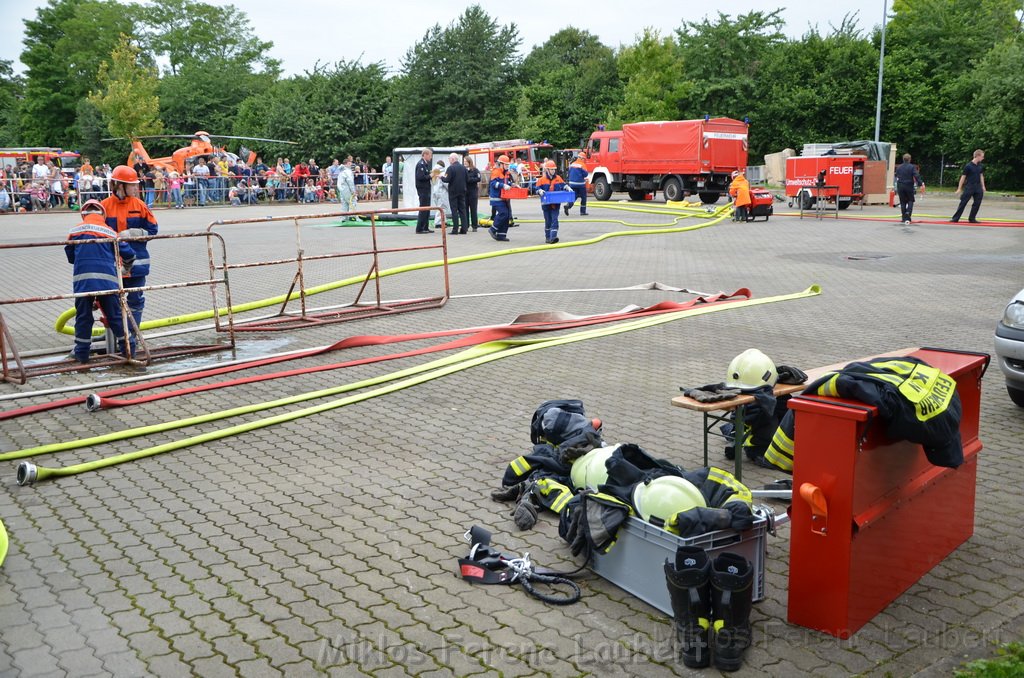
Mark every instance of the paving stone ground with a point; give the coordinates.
(326, 545)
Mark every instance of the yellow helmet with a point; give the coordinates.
(751, 369)
(590, 470)
(662, 498)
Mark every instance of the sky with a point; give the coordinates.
(382, 30)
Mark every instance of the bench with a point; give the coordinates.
(716, 413)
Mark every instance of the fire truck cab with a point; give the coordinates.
(527, 154)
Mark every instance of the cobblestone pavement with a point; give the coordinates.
(327, 545)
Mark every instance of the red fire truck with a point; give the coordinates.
(678, 158)
(526, 153)
(835, 178)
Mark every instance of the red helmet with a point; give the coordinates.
(549, 164)
(124, 174)
(503, 159)
(93, 206)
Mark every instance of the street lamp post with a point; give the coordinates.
(881, 69)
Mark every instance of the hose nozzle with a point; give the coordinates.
(26, 473)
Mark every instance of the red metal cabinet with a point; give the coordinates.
(870, 517)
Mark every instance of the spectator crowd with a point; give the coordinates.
(206, 180)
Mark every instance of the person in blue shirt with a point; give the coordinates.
(499, 181)
(972, 185)
(96, 270)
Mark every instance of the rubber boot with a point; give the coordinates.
(688, 581)
(732, 593)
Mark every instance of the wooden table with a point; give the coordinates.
(715, 413)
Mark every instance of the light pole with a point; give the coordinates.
(881, 68)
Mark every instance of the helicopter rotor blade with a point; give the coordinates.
(273, 141)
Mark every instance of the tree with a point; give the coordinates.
(656, 86)
(206, 94)
(329, 112)
(929, 45)
(992, 93)
(127, 95)
(457, 83)
(724, 60)
(12, 88)
(64, 47)
(187, 31)
(816, 89)
(570, 83)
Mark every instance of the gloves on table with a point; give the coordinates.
(790, 375)
(710, 393)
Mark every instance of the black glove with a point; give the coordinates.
(576, 534)
(790, 375)
(509, 493)
(712, 393)
(525, 515)
(126, 267)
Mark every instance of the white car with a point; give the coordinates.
(1010, 347)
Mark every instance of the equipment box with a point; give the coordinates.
(554, 197)
(761, 203)
(514, 193)
(636, 563)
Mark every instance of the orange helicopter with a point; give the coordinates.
(200, 145)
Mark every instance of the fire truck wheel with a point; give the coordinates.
(673, 190)
(843, 204)
(602, 191)
(806, 201)
(709, 198)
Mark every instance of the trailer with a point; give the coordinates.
(831, 178)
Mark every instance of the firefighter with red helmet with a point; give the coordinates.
(131, 218)
(502, 210)
(550, 181)
(95, 271)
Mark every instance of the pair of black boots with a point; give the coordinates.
(711, 596)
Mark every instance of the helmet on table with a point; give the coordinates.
(751, 369)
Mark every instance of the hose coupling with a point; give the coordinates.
(26, 473)
(92, 402)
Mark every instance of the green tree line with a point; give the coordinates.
(954, 80)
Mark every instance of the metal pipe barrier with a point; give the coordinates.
(371, 279)
(16, 369)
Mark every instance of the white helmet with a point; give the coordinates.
(590, 470)
(664, 497)
(751, 369)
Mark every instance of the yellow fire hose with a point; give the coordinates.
(28, 473)
(61, 324)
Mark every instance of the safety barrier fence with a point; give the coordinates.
(20, 315)
(315, 250)
(24, 194)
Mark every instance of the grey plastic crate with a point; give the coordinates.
(636, 562)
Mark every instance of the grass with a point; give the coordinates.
(1008, 663)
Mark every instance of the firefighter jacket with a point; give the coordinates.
(95, 264)
(131, 214)
(739, 189)
(915, 401)
(498, 181)
(549, 486)
(578, 173)
(760, 420)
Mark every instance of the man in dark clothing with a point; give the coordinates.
(455, 177)
(907, 180)
(423, 191)
(972, 185)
